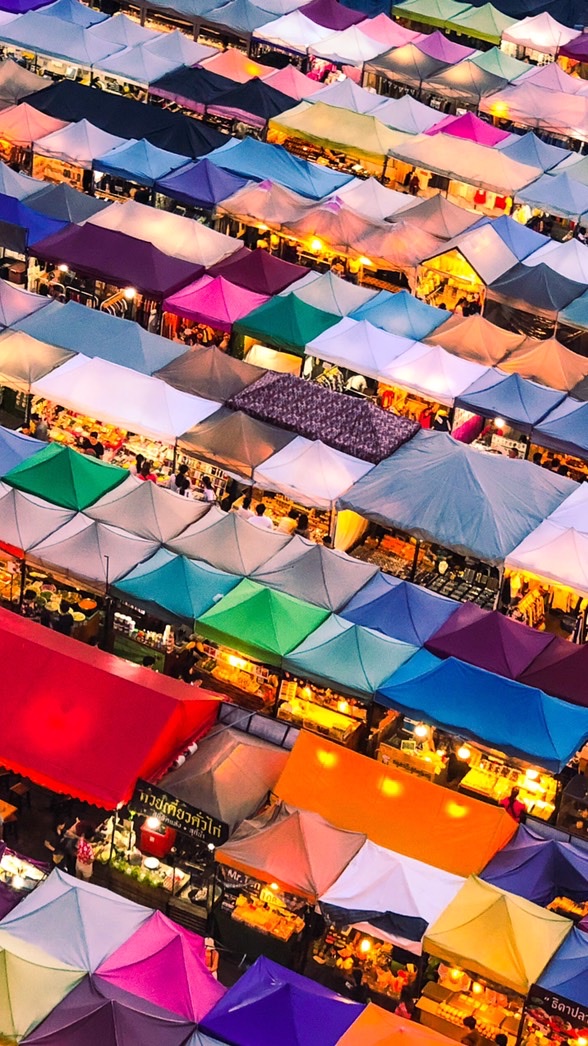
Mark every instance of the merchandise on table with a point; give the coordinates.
(383, 967)
(444, 1005)
(18, 873)
(318, 709)
(259, 918)
(119, 849)
(254, 683)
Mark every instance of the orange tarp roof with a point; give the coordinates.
(378, 1027)
(394, 809)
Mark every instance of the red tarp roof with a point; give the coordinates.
(83, 722)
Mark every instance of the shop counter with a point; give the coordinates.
(242, 939)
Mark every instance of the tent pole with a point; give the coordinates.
(384, 168)
(500, 592)
(333, 524)
(143, 14)
(23, 577)
(527, 448)
(522, 1022)
(415, 560)
(175, 456)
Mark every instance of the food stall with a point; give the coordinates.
(18, 874)
(341, 950)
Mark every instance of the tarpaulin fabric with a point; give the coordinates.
(332, 14)
(48, 35)
(139, 161)
(95, 552)
(291, 81)
(24, 360)
(74, 11)
(16, 184)
(475, 338)
(98, 920)
(229, 776)
(517, 719)
(325, 577)
(292, 32)
(382, 881)
(146, 509)
(234, 442)
(399, 609)
(22, 227)
(471, 163)
(407, 114)
(23, 124)
(75, 327)
(300, 850)
(135, 65)
(540, 32)
(520, 402)
(270, 1003)
(565, 428)
(122, 397)
(310, 472)
(554, 552)
(120, 29)
(357, 134)
(64, 203)
(439, 216)
(250, 158)
(25, 520)
(548, 362)
(488, 639)
(495, 502)
(378, 1027)
(357, 660)
(210, 373)
(21, 966)
(330, 293)
(235, 65)
(407, 64)
(214, 301)
(62, 475)
(228, 542)
(432, 372)
(259, 272)
(78, 143)
(501, 64)
(539, 869)
(456, 833)
(200, 185)
(349, 47)
(173, 587)
(285, 323)
(530, 149)
(470, 128)
(118, 259)
(566, 973)
(281, 621)
(164, 964)
(481, 23)
(16, 448)
(347, 424)
(557, 194)
(497, 935)
(560, 669)
(16, 303)
(97, 1012)
(16, 82)
(177, 45)
(254, 102)
(359, 346)
(569, 259)
(401, 314)
(435, 12)
(61, 700)
(345, 94)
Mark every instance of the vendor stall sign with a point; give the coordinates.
(556, 1017)
(147, 799)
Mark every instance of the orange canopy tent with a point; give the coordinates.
(394, 809)
(378, 1027)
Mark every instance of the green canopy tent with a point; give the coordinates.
(430, 12)
(481, 23)
(259, 622)
(285, 323)
(65, 477)
(501, 64)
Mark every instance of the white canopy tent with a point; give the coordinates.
(79, 144)
(310, 472)
(484, 250)
(407, 114)
(434, 373)
(91, 551)
(345, 94)
(293, 32)
(177, 47)
(147, 510)
(466, 161)
(379, 880)
(557, 553)
(119, 396)
(539, 33)
(373, 200)
(569, 259)
(190, 240)
(348, 46)
(137, 65)
(573, 512)
(25, 519)
(359, 346)
(330, 293)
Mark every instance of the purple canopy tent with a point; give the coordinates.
(98, 1014)
(201, 184)
(576, 49)
(343, 422)
(20, 7)
(560, 670)
(272, 1005)
(436, 45)
(118, 259)
(332, 15)
(539, 869)
(489, 640)
(259, 272)
(165, 965)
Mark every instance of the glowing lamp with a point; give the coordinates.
(463, 752)
(454, 974)
(153, 823)
(499, 422)
(274, 887)
(365, 261)
(421, 730)
(316, 245)
(477, 988)
(210, 846)
(365, 946)
(63, 267)
(18, 882)
(531, 774)
(343, 706)
(129, 293)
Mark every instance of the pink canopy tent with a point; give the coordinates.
(436, 45)
(235, 65)
(164, 964)
(387, 32)
(470, 127)
(291, 81)
(22, 125)
(215, 301)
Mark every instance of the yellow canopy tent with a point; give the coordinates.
(496, 935)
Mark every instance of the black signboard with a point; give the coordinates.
(147, 799)
(556, 1016)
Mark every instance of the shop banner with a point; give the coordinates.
(555, 1016)
(147, 799)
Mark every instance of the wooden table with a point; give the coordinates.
(7, 811)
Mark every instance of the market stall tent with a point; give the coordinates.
(14, 183)
(539, 869)
(566, 974)
(120, 29)
(291, 81)
(25, 519)
(176, 46)
(522, 403)
(470, 128)
(565, 429)
(475, 338)
(62, 738)
(138, 161)
(163, 963)
(250, 158)
(77, 143)
(47, 35)
(530, 149)
(529, 298)
(353, 659)
(501, 64)
(285, 323)
(359, 346)
(62, 475)
(439, 217)
(238, 16)
(136, 65)
(432, 372)
(17, 82)
(330, 293)
(569, 259)
(21, 966)
(209, 373)
(193, 88)
(511, 717)
(378, 1027)
(407, 114)
(147, 510)
(235, 65)
(436, 13)
(293, 32)
(272, 1003)
(234, 442)
(119, 396)
(95, 552)
(346, 94)
(399, 609)
(98, 920)
(214, 301)
(456, 833)
(259, 272)
(488, 639)
(255, 102)
(74, 11)
(547, 361)
(172, 587)
(481, 23)
(350, 47)
(200, 185)
(24, 360)
(557, 194)
(389, 896)
(322, 576)
(65, 203)
(388, 32)
(560, 668)
(541, 33)
(310, 472)
(373, 200)
(16, 448)
(471, 163)
(401, 314)
(483, 250)
(556, 553)
(496, 935)
(229, 776)
(228, 542)
(282, 622)
(22, 124)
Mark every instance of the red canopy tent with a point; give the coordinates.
(83, 722)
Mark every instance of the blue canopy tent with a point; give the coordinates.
(400, 610)
(356, 660)
(530, 149)
(519, 720)
(522, 403)
(79, 329)
(175, 588)
(240, 16)
(137, 65)
(401, 314)
(139, 161)
(16, 303)
(572, 327)
(65, 204)
(520, 240)
(557, 194)
(565, 429)
(442, 491)
(21, 227)
(75, 12)
(201, 185)
(567, 973)
(15, 448)
(258, 160)
(528, 298)
(539, 869)
(48, 35)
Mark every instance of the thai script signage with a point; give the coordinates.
(147, 799)
(552, 1012)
